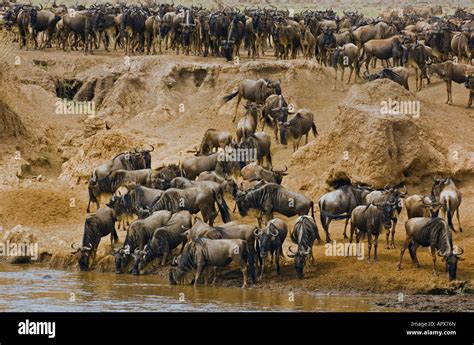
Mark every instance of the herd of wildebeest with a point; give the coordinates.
(238, 169)
(227, 169)
(421, 38)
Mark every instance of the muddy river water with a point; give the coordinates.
(33, 288)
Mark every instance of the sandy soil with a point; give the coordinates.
(141, 101)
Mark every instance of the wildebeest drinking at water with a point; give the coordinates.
(432, 232)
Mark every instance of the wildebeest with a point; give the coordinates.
(191, 167)
(369, 220)
(304, 233)
(203, 253)
(432, 232)
(96, 226)
(194, 199)
(270, 241)
(274, 198)
(123, 161)
(260, 144)
(395, 195)
(445, 192)
(421, 206)
(308, 43)
(254, 91)
(214, 139)
(338, 204)
(416, 55)
(138, 235)
(449, 72)
(275, 110)
(248, 123)
(345, 56)
(255, 172)
(382, 49)
(163, 240)
(397, 74)
(136, 200)
(297, 127)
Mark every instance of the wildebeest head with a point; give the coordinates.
(278, 175)
(433, 207)
(83, 254)
(121, 258)
(387, 212)
(451, 259)
(242, 203)
(266, 237)
(146, 156)
(34, 14)
(300, 258)
(275, 85)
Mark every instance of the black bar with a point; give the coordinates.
(241, 328)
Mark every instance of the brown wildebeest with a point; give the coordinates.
(275, 110)
(214, 139)
(421, 206)
(382, 49)
(345, 56)
(248, 123)
(446, 192)
(416, 55)
(254, 91)
(460, 46)
(298, 126)
(435, 233)
(449, 72)
(255, 172)
(308, 43)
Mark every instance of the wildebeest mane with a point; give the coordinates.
(435, 233)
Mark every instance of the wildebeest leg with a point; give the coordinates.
(369, 242)
(214, 280)
(415, 258)
(206, 273)
(345, 228)
(376, 243)
(405, 245)
(459, 220)
(392, 231)
(262, 268)
(277, 259)
(433, 256)
(326, 230)
(350, 74)
(469, 103)
(335, 79)
(448, 89)
(199, 269)
(342, 80)
(418, 88)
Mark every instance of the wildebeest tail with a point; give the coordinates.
(223, 208)
(314, 129)
(230, 96)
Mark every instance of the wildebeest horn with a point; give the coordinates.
(41, 7)
(72, 246)
(274, 232)
(291, 250)
(127, 249)
(174, 262)
(386, 187)
(152, 148)
(286, 169)
(256, 231)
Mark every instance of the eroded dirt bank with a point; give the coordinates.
(169, 102)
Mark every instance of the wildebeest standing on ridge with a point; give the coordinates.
(254, 91)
